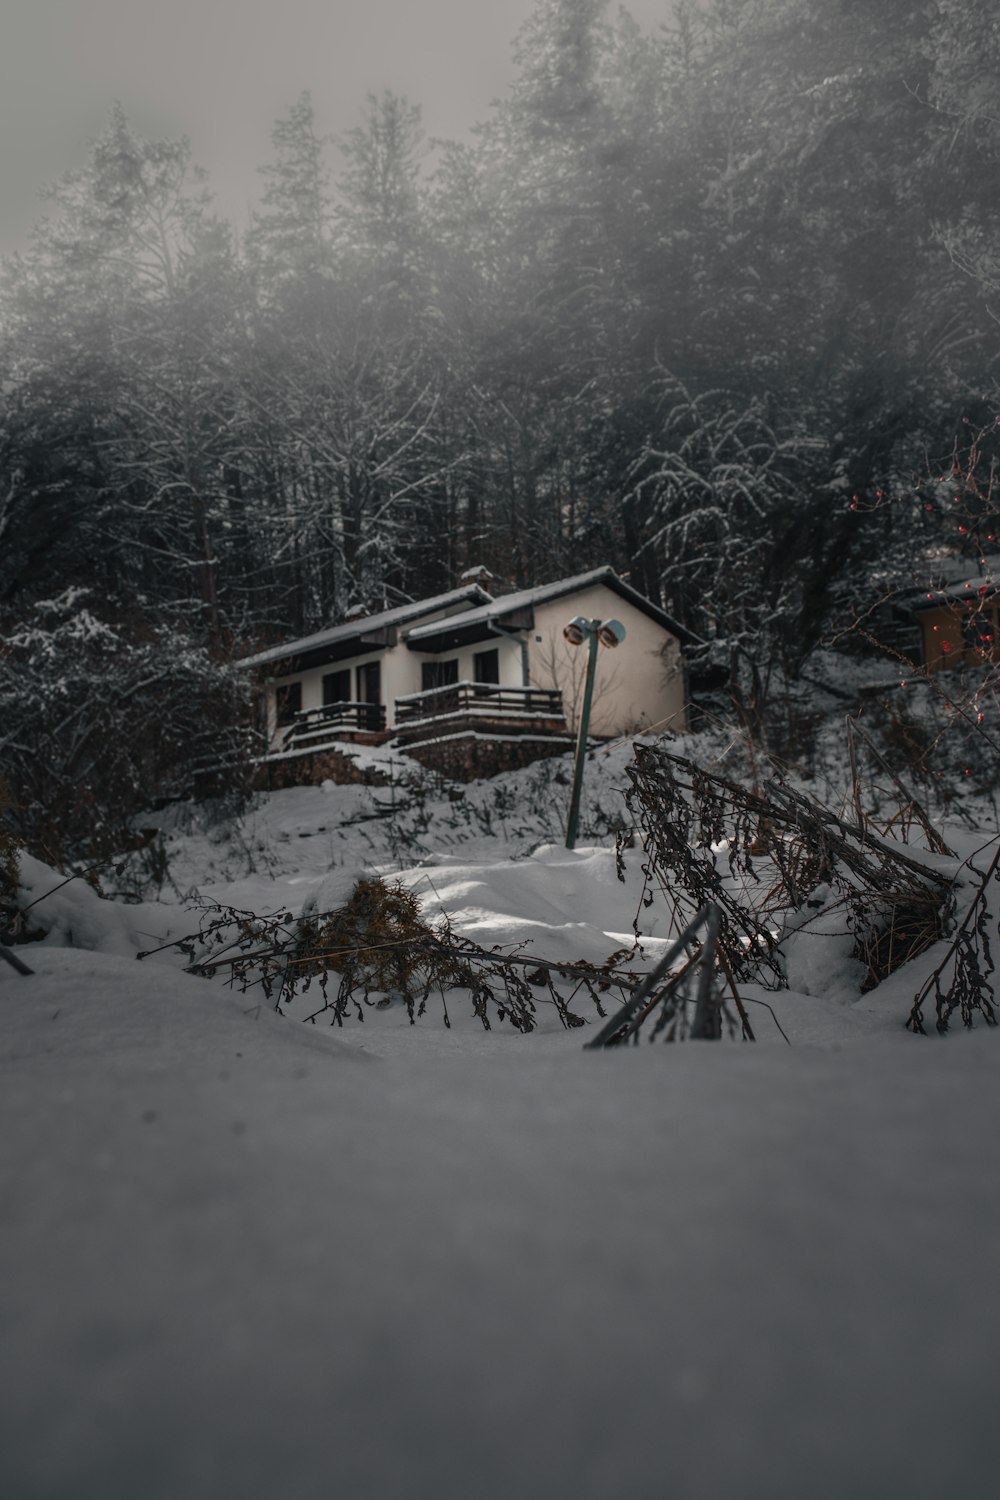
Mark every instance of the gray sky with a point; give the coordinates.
(221, 71)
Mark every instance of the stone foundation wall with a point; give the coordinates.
(313, 767)
(460, 757)
(470, 758)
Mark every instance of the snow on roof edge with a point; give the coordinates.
(348, 628)
(543, 592)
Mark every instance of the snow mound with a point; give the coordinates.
(72, 914)
(560, 903)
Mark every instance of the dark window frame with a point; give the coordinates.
(486, 661)
(438, 674)
(330, 694)
(369, 672)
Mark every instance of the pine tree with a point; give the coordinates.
(288, 242)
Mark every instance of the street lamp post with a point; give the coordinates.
(606, 633)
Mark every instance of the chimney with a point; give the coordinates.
(482, 576)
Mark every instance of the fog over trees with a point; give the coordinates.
(692, 303)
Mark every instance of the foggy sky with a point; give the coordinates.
(221, 72)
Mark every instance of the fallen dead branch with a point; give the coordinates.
(376, 949)
(757, 854)
(970, 961)
(681, 1012)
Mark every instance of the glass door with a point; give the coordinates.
(369, 681)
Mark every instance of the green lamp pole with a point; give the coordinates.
(594, 632)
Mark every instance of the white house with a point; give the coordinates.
(466, 663)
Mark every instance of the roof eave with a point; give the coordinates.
(316, 651)
(454, 633)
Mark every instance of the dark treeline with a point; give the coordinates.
(680, 298)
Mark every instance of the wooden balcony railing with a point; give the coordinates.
(313, 726)
(480, 699)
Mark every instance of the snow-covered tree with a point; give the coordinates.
(99, 715)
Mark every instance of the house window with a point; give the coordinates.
(288, 701)
(437, 674)
(369, 681)
(486, 666)
(337, 687)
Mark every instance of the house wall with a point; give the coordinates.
(945, 641)
(635, 686)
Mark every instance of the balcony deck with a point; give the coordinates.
(484, 707)
(314, 728)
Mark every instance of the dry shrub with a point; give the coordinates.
(909, 739)
(8, 850)
(376, 948)
(964, 980)
(902, 927)
(378, 941)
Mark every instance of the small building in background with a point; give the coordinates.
(953, 622)
(959, 627)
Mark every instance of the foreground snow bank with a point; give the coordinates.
(243, 1256)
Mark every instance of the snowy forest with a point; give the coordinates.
(363, 1132)
(715, 304)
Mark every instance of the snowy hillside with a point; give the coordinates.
(246, 1256)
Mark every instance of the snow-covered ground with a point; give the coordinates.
(243, 1256)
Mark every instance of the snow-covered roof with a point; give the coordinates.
(468, 608)
(525, 599)
(356, 629)
(950, 580)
